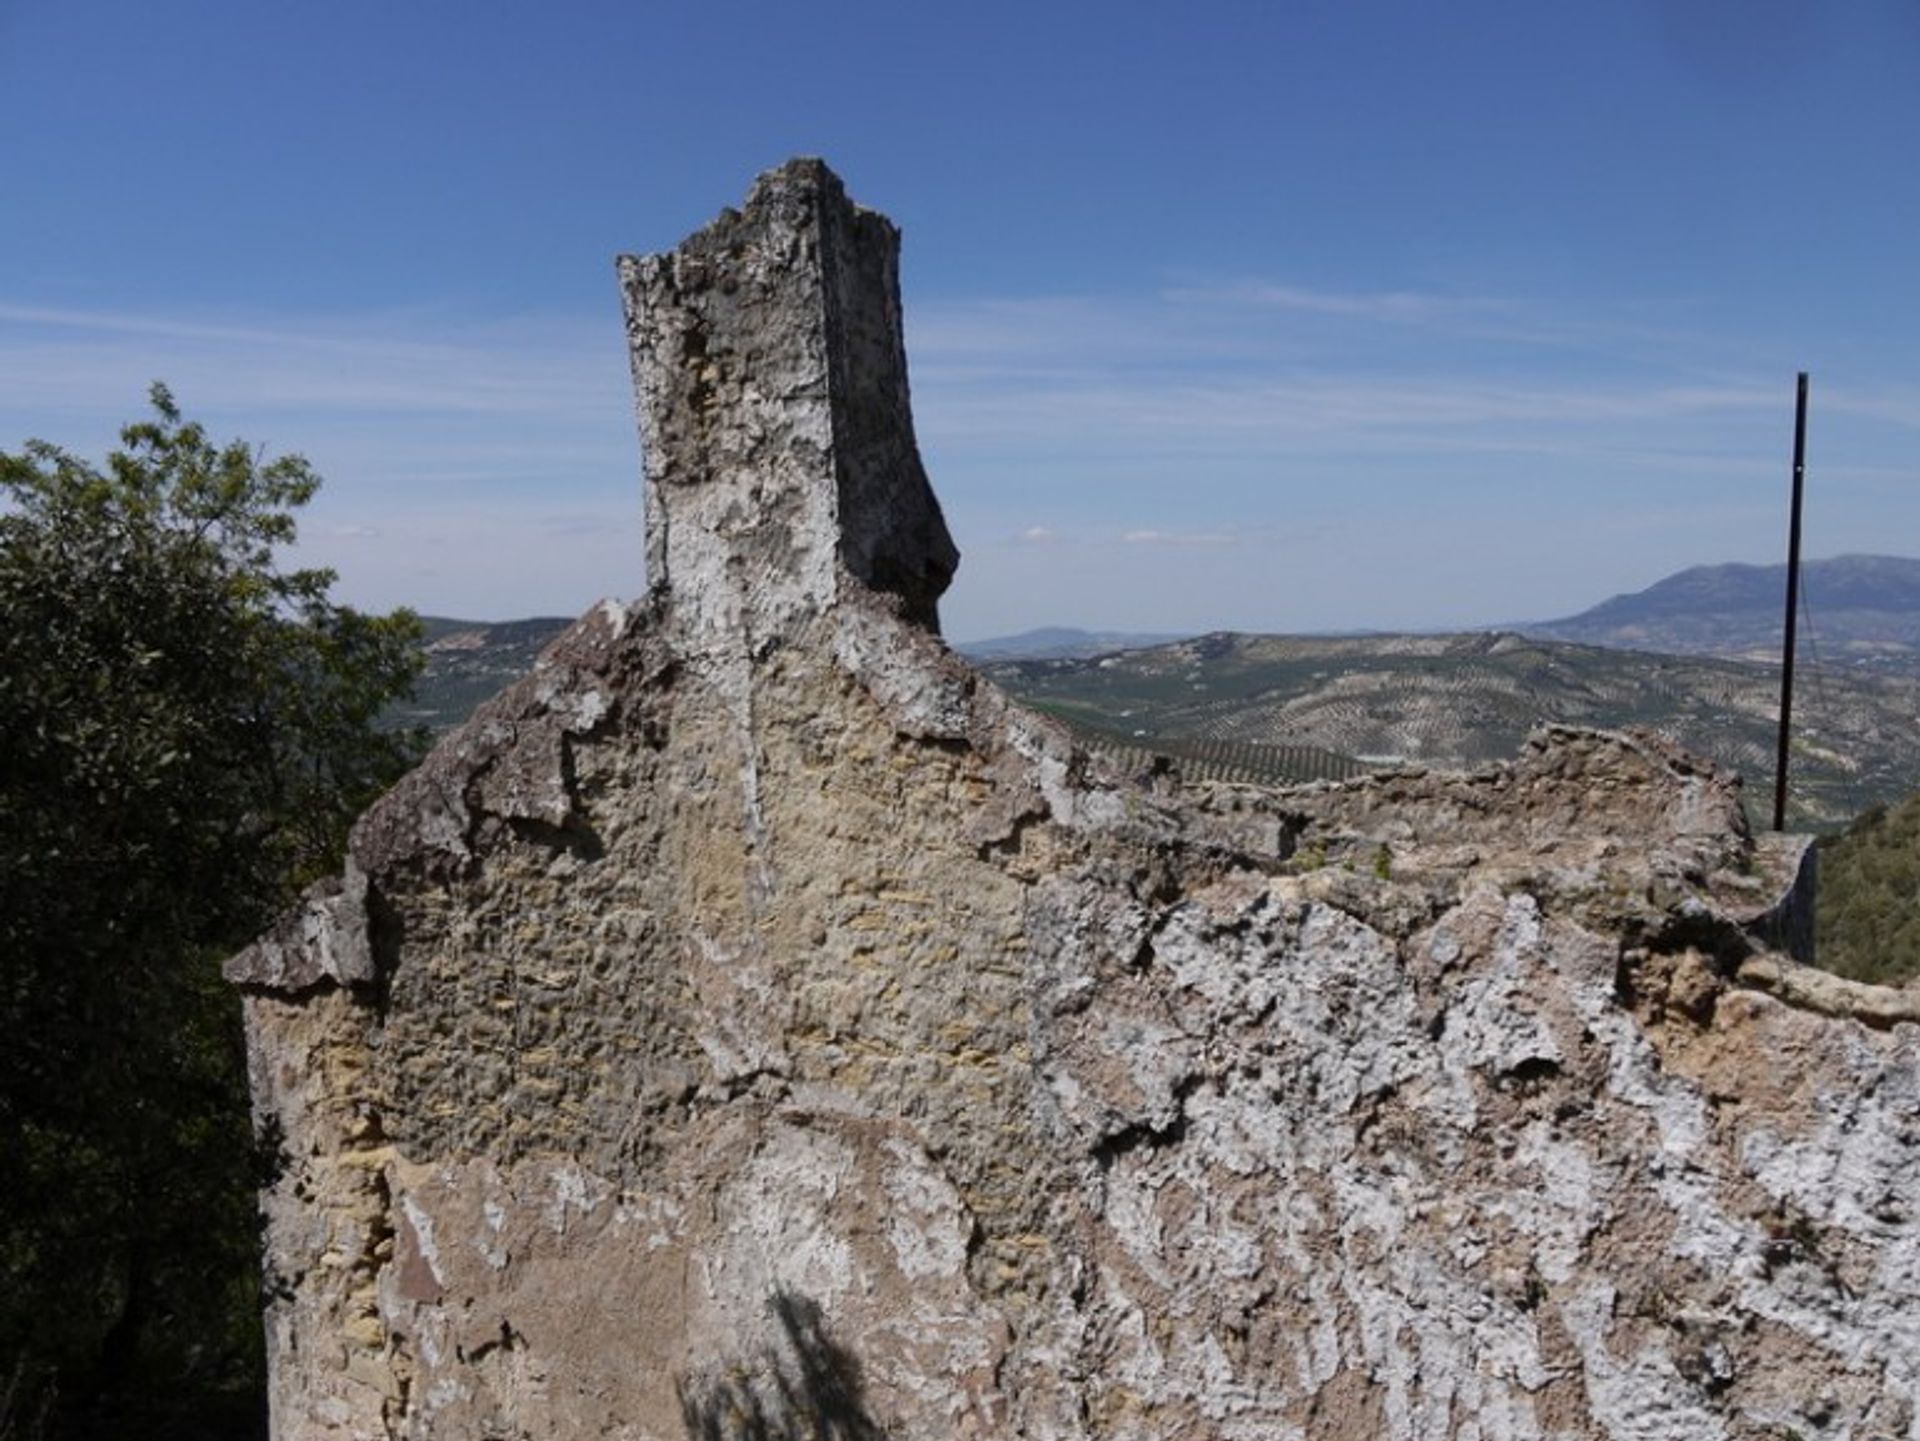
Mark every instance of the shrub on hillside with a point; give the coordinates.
(1867, 917)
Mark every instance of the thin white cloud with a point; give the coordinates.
(494, 560)
(124, 323)
(1151, 536)
(1894, 405)
(490, 467)
(379, 363)
(1207, 371)
(1401, 307)
(1365, 414)
(476, 466)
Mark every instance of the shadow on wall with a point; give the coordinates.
(802, 1388)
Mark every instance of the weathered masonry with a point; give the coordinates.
(754, 1025)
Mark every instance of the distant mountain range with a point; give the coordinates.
(1059, 642)
(1858, 610)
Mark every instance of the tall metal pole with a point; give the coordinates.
(1793, 602)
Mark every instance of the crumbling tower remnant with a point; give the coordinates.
(753, 1025)
(774, 418)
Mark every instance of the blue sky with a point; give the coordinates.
(1280, 317)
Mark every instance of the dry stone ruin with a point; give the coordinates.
(754, 1025)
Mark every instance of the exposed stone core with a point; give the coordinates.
(774, 420)
(755, 1026)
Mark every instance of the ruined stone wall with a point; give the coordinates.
(753, 1025)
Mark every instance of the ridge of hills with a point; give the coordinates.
(469, 661)
(1050, 642)
(1270, 709)
(1267, 707)
(1857, 610)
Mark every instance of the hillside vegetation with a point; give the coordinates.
(1869, 910)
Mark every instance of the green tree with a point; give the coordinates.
(186, 732)
(1867, 911)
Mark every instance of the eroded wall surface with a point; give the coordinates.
(755, 1026)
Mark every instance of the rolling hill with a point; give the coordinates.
(470, 660)
(1281, 709)
(1463, 700)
